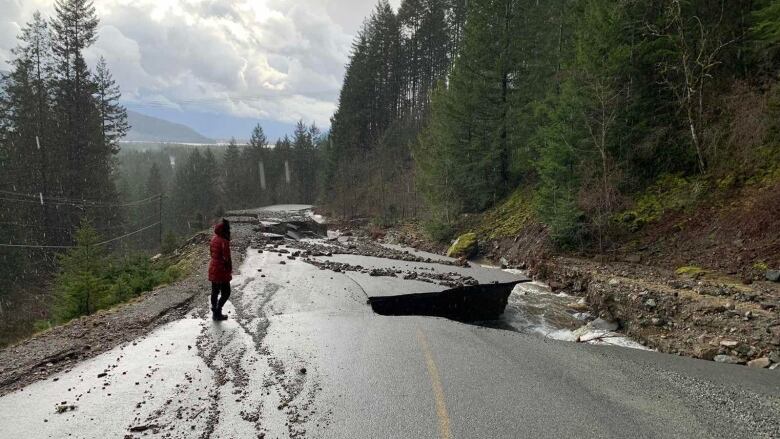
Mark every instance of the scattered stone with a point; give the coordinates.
(655, 321)
(64, 408)
(282, 263)
(302, 371)
(727, 359)
(142, 428)
(650, 303)
(729, 343)
(773, 275)
(614, 282)
(759, 363)
(706, 352)
(101, 375)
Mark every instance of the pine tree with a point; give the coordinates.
(195, 190)
(255, 160)
(766, 30)
(232, 177)
(113, 116)
(87, 162)
(28, 129)
(471, 122)
(154, 184)
(80, 287)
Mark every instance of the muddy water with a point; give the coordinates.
(534, 308)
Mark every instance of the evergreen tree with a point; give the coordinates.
(85, 156)
(80, 288)
(195, 191)
(30, 149)
(256, 160)
(113, 116)
(471, 122)
(154, 184)
(233, 179)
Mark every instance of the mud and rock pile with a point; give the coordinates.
(717, 319)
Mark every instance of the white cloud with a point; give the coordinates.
(271, 59)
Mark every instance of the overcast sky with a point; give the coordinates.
(219, 65)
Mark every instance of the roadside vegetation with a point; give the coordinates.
(90, 279)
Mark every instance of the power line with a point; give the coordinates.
(75, 246)
(49, 197)
(38, 199)
(99, 229)
(129, 234)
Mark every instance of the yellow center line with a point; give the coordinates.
(438, 390)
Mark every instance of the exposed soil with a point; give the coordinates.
(701, 316)
(734, 235)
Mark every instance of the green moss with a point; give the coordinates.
(670, 193)
(508, 218)
(690, 270)
(465, 245)
(761, 266)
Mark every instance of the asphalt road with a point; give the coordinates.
(304, 356)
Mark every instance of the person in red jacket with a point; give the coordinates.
(220, 269)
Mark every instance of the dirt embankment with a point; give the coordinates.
(60, 348)
(702, 315)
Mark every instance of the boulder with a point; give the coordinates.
(773, 275)
(728, 359)
(464, 246)
(604, 325)
(760, 363)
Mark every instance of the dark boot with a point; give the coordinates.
(216, 315)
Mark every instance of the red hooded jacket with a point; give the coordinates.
(221, 265)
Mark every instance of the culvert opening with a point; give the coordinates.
(465, 303)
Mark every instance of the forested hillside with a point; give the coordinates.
(145, 128)
(602, 114)
(199, 184)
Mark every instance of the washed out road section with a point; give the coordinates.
(303, 355)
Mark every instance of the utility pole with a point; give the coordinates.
(159, 218)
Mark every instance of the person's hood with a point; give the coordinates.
(220, 231)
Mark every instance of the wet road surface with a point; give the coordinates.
(303, 355)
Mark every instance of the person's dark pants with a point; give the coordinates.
(218, 300)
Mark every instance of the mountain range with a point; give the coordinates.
(145, 128)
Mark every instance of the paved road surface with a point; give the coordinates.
(304, 356)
